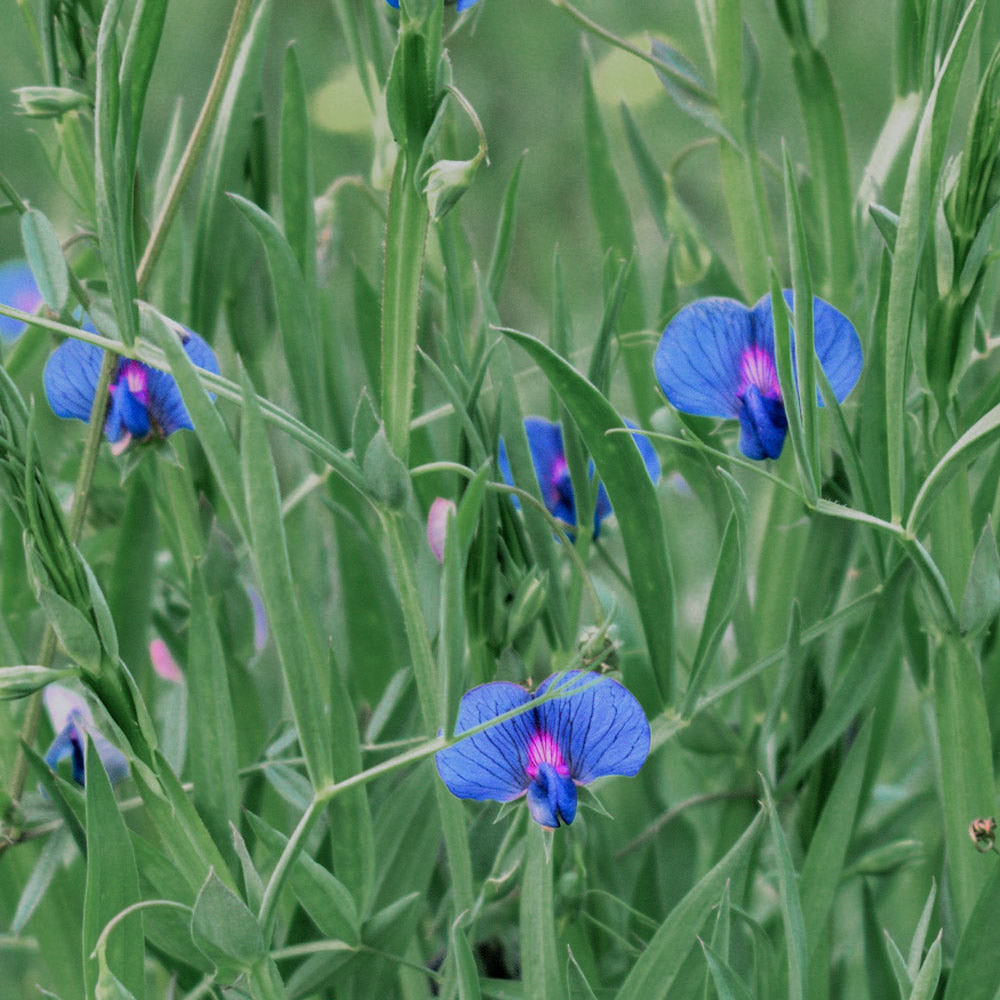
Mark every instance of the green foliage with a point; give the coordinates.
(814, 639)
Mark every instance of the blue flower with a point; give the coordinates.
(549, 458)
(460, 6)
(597, 729)
(17, 289)
(71, 718)
(716, 359)
(145, 402)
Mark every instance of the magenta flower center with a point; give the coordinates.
(757, 369)
(133, 374)
(543, 749)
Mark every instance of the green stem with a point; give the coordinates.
(406, 239)
(196, 142)
(680, 79)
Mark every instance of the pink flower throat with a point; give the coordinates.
(543, 749)
(757, 369)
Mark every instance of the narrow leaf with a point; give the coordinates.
(112, 883)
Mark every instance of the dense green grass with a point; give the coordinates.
(813, 639)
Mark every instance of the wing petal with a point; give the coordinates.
(70, 378)
(492, 764)
(697, 362)
(600, 728)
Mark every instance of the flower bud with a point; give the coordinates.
(446, 181)
(49, 102)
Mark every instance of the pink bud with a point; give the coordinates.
(437, 523)
(163, 663)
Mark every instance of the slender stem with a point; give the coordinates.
(196, 142)
(671, 814)
(681, 80)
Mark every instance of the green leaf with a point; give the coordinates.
(785, 364)
(657, 967)
(112, 883)
(650, 174)
(823, 118)
(208, 423)
(728, 985)
(614, 224)
(114, 178)
(138, 60)
(920, 934)
(102, 613)
(791, 907)
(980, 436)
(975, 971)
(329, 904)
(981, 601)
(385, 475)
(688, 90)
(541, 967)
(858, 682)
(465, 964)
(451, 629)
(224, 161)
(300, 663)
(633, 497)
(803, 332)
(45, 256)
(503, 242)
(966, 770)
(214, 766)
(824, 861)
(49, 861)
(579, 987)
(302, 347)
(886, 222)
(76, 634)
(727, 585)
(225, 931)
(925, 984)
(296, 170)
(914, 219)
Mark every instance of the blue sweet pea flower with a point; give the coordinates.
(716, 359)
(71, 718)
(548, 455)
(144, 402)
(597, 729)
(17, 289)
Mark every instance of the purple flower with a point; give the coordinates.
(716, 359)
(545, 441)
(596, 730)
(144, 402)
(17, 289)
(71, 718)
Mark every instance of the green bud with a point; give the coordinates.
(19, 682)
(529, 598)
(446, 181)
(49, 102)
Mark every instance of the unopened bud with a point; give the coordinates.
(49, 102)
(446, 181)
